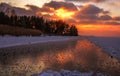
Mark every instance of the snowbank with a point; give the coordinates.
(7, 41)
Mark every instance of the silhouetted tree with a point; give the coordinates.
(73, 31)
(47, 27)
(4, 19)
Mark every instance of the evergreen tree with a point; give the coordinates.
(47, 27)
(73, 31)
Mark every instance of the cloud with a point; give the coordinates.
(112, 23)
(96, 1)
(87, 14)
(52, 9)
(116, 18)
(33, 7)
(105, 17)
(91, 14)
(90, 9)
(57, 5)
(4, 7)
(115, 3)
(46, 9)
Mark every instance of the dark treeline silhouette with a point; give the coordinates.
(46, 27)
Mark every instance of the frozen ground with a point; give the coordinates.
(7, 41)
(111, 45)
(68, 73)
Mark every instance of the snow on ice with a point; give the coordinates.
(67, 73)
(7, 41)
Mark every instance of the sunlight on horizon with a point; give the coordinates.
(99, 30)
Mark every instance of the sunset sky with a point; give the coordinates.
(92, 17)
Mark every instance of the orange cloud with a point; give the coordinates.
(57, 10)
(87, 14)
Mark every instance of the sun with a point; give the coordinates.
(62, 13)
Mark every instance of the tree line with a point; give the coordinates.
(49, 27)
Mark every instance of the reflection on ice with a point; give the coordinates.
(81, 55)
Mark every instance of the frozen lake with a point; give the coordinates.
(76, 54)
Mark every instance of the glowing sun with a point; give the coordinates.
(62, 13)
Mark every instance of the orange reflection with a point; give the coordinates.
(65, 57)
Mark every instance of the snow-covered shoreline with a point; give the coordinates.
(8, 41)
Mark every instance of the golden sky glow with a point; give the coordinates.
(99, 30)
(62, 13)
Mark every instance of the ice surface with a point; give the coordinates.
(7, 41)
(67, 73)
(111, 45)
